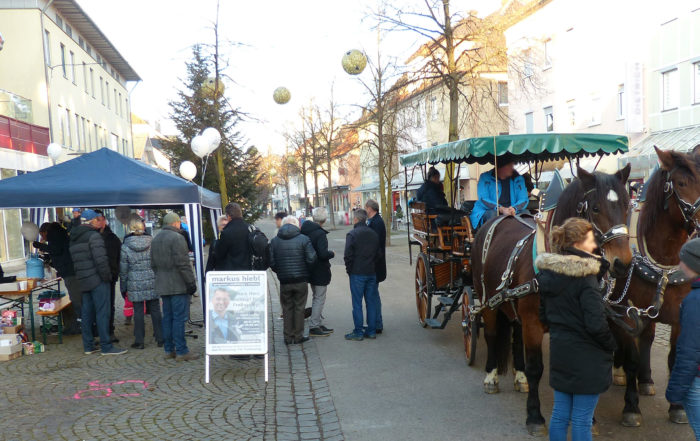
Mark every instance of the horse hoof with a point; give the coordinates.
(595, 429)
(490, 388)
(619, 380)
(678, 416)
(631, 419)
(537, 429)
(522, 387)
(647, 389)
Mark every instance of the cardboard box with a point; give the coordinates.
(13, 349)
(11, 329)
(11, 356)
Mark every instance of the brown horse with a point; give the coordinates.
(598, 197)
(667, 218)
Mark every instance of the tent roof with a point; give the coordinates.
(103, 178)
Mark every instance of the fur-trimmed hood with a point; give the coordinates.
(568, 264)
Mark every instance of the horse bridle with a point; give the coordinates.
(688, 210)
(615, 232)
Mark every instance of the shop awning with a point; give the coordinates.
(682, 139)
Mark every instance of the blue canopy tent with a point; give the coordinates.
(105, 178)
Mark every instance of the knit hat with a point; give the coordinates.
(690, 255)
(88, 214)
(170, 218)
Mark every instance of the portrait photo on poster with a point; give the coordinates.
(236, 311)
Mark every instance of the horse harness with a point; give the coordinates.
(602, 238)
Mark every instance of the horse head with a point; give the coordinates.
(681, 187)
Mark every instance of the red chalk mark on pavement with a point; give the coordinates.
(98, 390)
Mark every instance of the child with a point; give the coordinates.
(684, 384)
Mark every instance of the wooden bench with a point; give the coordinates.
(54, 317)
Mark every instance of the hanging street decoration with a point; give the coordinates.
(210, 91)
(281, 95)
(354, 62)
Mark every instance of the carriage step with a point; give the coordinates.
(433, 323)
(447, 301)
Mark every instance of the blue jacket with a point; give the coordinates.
(687, 348)
(486, 191)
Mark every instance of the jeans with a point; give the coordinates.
(139, 324)
(575, 408)
(76, 298)
(293, 298)
(319, 299)
(691, 404)
(96, 308)
(487, 216)
(175, 309)
(112, 294)
(364, 287)
(380, 321)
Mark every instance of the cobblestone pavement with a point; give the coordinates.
(64, 395)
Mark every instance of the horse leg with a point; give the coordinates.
(619, 378)
(491, 335)
(631, 414)
(646, 383)
(676, 413)
(532, 337)
(520, 380)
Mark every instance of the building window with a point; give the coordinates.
(120, 105)
(69, 138)
(97, 141)
(571, 108)
(434, 109)
(61, 126)
(669, 86)
(92, 82)
(59, 21)
(81, 42)
(85, 77)
(102, 90)
(502, 93)
(596, 111)
(115, 142)
(696, 80)
(47, 45)
(72, 67)
(85, 138)
(63, 60)
(528, 67)
(529, 123)
(549, 119)
(116, 103)
(107, 93)
(419, 118)
(547, 53)
(77, 131)
(69, 31)
(621, 101)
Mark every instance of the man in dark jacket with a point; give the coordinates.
(114, 247)
(684, 384)
(320, 272)
(291, 257)
(56, 243)
(91, 264)
(376, 223)
(361, 254)
(233, 248)
(211, 260)
(175, 282)
(431, 192)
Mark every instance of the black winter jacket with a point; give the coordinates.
(432, 195)
(361, 251)
(114, 247)
(321, 270)
(89, 255)
(233, 247)
(58, 247)
(571, 304)
(376, 223)
(291, 255)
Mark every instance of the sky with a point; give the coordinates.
(296, 44)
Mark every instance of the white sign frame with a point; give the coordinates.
(250, 303)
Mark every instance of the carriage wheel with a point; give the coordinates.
(423, 288)
(471, 327)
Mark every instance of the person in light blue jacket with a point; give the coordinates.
(512, 193)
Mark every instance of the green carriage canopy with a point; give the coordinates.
(525, 148)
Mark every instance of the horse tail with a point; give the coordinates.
(503, 342)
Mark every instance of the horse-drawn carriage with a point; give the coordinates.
(490, 274)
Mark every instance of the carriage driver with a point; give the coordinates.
(512, 193)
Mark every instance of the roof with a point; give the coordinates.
(80, 21)
(530, 147)
(682, 139)
(103, 178)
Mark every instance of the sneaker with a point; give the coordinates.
(318, 332)
(137, 346)
(370, 336)
(379, 331)
(91, 351)
(302, 340)
(187, 357)
(170, 355)
(115, 351)
(328, 330)
(307, 313)
(354, 336)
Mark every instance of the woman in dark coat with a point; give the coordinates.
(431, 192)
(581, 344)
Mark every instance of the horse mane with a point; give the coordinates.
(567, 206)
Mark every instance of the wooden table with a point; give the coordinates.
(18, 298)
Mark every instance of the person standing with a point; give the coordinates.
(279, 217)
(233, 249)
(361, 254)
(138, 281)
(581, 344)
(91, 264)
(320, 275)
(291, 257)
(684, 384)
(376, 223)
(114, 246)
(174, 283)
(56, 245)
(211, 260)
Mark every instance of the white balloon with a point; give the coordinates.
(214, 137)
(200, 145)
(188, 170)
(54, 150)
(30, 231)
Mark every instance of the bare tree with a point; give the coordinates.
(328, 136)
